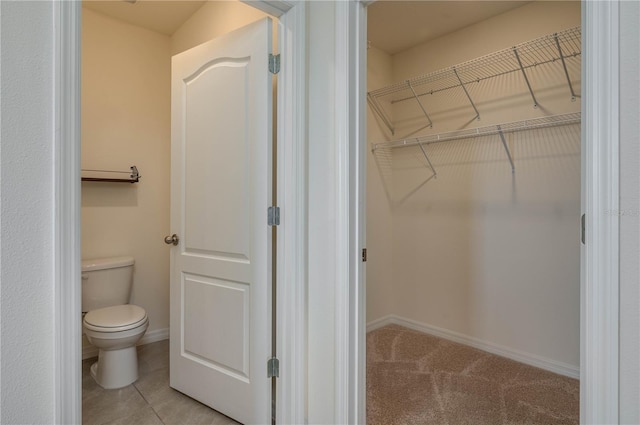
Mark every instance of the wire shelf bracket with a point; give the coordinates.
(380, 112)
(564, 66)
(506, 148)
(467, 93)
(435, 174)
(420, 104)
(524, 74)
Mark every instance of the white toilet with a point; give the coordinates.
(112, 325)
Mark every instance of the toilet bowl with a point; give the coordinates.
(111, 324)
(115, 331)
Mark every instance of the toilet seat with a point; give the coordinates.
(117, 318)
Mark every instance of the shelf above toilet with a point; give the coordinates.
(111, 176)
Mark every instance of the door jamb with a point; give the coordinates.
(600, 268)
(292, 242)
(66, 189)
(291, 239)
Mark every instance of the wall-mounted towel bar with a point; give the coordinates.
(132, 176)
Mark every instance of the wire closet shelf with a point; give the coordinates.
(498, 129)
(555, 48)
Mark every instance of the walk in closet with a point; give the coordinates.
(473, 188)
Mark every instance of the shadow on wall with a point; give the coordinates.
(100, 194)
(546, 161)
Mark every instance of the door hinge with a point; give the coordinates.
(273, 216)
(274, 63)
(273, 367)
(364, 255)
(584, 225)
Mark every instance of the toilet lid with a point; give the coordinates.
(116, 318)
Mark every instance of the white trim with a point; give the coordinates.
(292, 242)
(154, 336)
(89, 351)
(500, 350)
(599, 339)
(358, 180)
(350, 165)
(275, 8)
(342, 259)
(66, 189)
(291, 258)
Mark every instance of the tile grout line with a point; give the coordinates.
(139, 392)
(157, 416)
(148, 372)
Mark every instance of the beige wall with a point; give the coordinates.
(126, 121)
(380, 292)
(212, 20)
(533, 20)
(479, 251)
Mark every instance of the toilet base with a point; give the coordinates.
(116, 368)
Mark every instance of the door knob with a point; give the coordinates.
(171, 240)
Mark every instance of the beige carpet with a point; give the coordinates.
(414, 378)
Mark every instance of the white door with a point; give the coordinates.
(220, 190)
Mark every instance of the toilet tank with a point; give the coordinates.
(106, 282)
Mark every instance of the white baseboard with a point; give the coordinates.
(519, 356)
(89, 351)
(154, 336)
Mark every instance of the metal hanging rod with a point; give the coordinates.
(500, 129)
(549, 49)
(133, 176)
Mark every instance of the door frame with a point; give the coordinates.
(291, 239)
(599, 266)
(599, 282)
(600, 269)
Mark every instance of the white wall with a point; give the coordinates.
(26, 208)
(126, 120)
(479, 251)
(630, 213)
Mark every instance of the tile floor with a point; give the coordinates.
(148, 401)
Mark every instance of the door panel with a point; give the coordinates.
(222, 163)
(215, 323)
(220, 191)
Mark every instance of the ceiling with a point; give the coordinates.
(164, 17)
(396, 25)
(393, 26)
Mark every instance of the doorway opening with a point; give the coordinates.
(473, 195)
(127, 118)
